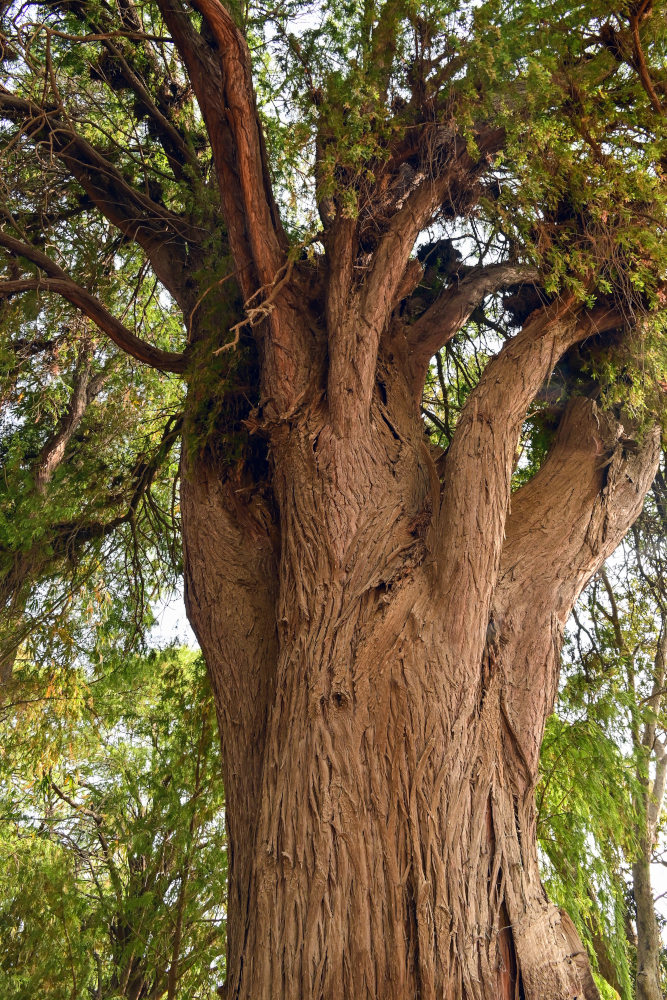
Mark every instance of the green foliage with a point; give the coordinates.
(354, 97)
(112, 851)
(585, 832)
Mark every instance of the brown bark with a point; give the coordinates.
(384, 656)
(231, 574)
(648, 934)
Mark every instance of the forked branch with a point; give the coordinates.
(478, 472)
(355, 339)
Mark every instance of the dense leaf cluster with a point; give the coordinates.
(112, 845)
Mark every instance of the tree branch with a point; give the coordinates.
(58, 281)
(564, 523)
(21, 569)
(640, 60)
(479, 464)
(84, 391)
(657, 791)
(452, 187)
(223, 84)
(452, 309)
(173, 142)
(166, 238)
(355, 339)
(222, 80)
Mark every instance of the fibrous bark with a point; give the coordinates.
(385, 653)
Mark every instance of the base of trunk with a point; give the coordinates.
(387, 871)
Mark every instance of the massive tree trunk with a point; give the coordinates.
(384, 650)
(383, 632)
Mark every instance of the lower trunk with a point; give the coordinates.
(395, 849)
(381, 725)
(648, 933)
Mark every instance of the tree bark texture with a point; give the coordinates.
(384, 649)
(648, 933)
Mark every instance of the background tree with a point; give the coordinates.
(604, 759)
(112, 848)
(289, 211)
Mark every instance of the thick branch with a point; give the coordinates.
(222, 80)
(223, 84)
(479, 465)
(564, 523)
(452, 309)
(452, 189)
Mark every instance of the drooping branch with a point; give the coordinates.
(58, 281)
(63, 542)
(166, 238)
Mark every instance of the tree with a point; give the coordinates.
(291, 210)
(113, 850)
(614, 696)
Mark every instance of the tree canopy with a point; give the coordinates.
(113, 851)
(525, 145)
